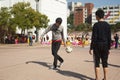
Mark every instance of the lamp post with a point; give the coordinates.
(37, 30)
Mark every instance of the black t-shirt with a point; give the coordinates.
(116, 38)
(101, 34)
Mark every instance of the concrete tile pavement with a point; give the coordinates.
(23, 62)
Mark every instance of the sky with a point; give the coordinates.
(98, 3)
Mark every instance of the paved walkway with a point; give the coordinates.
(23, 62)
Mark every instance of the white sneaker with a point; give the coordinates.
(60, 64)
(53, 67)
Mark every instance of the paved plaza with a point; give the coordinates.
(23, 62)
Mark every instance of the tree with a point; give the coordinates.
(21, 15)
(80, 27)
(4, 22)
(26, 18)
(70, 24)
(21, 12)
(84, 27)
(117, 25)
(40, 21)
(4, 17)
(115, 28)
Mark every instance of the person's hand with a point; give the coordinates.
(90, 52)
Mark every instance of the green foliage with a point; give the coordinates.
(40, 21)
(70, 19)
(115, 28)
(6, 24)
(70, 24)
(20, 15)
(26, 17)
(80, 27)
(84, 27)
(117, 25)
(4, 18)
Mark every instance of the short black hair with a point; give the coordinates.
(100, 13)
(59, 20)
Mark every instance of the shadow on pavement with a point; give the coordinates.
(45, 64)
(113, 65)
(118, 66)
(74, 74)
(63, 72)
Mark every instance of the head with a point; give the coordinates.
(99, 14)
(58, 21)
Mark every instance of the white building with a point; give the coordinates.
(51, 8)
(112, 14)
(93, 16)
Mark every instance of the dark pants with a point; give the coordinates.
(116, 44)
(55, 48)
(30, 43)
(101, 53)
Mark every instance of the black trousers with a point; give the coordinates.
(116, 44)
(101, 53)
(55, 48)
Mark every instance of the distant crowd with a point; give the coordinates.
(83, 40)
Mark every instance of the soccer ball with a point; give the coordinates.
(68, 49)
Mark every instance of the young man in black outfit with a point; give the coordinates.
(100, 44)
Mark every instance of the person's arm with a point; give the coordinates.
(63, 37)
(46, 30)
(94, 36)
(109, 38)
(91, 45)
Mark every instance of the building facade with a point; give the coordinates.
(89, 7)
(83, 14)
(72, 5)
(112, 14)
(93, 16)
(79, 15)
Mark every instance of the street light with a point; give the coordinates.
(37, 30)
